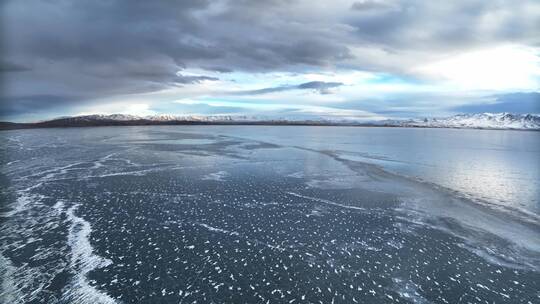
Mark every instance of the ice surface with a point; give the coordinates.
(266, 215)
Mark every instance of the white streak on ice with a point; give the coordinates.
(83, 260)
(24, 283)
(320, 200)
(217, 176)
(214, 229)
(23, 200)
(408, 290)
(298, 174)
(10, 293)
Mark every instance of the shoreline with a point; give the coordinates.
(6, 126)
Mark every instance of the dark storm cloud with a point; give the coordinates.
(370, 5)
(34, 104)
(185, 79)
(98, 49)
(319, 86)
(219, 69)
(435, 25)
(6, 67)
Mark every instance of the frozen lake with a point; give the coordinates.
(269, 214)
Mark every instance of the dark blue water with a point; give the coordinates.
(225, 214)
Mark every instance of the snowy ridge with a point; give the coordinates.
(505, 121)
(160, 118)
(480, 121)
(477, 121)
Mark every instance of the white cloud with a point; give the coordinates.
(502, 68)
(141, 109)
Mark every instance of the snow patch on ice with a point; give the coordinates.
(83, 260)
(23, 201)
(9, 292)
(219, 230)
(217, 176)
(408, 290)
(298, 174)
(320, 200)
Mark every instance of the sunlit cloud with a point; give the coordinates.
(140, 109)
(502, 68)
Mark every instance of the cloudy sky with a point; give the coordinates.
(369, 59)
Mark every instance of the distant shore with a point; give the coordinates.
(5, 126)
(487, 121)
(63, 124)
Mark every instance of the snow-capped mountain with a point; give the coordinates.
(476, 121)
(480, 121)
(163, 118)
(119, 117)
(157, 117)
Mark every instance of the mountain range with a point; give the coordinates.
(470, 121)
